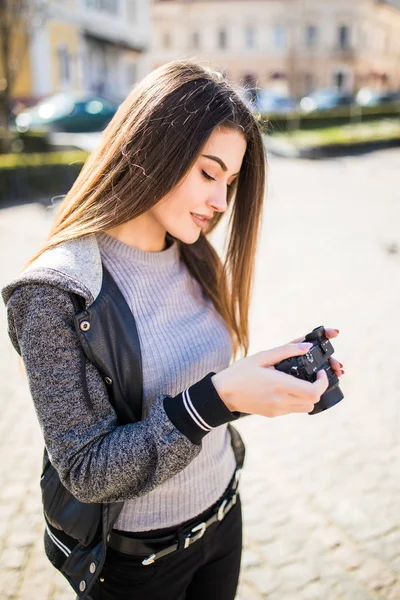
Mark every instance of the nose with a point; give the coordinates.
(218, 202)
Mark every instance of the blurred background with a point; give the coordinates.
(320, 494)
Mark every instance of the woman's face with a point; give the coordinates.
(203, 191)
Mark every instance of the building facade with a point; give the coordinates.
(295, 46)
(85, 45)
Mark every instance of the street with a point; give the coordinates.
(321, 493)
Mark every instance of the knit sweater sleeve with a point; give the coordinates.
(99, 460)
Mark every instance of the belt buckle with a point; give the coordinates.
(198, 530)
(221, 510)
(238, 473)
(225, 507)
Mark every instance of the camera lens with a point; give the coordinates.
(332, 396)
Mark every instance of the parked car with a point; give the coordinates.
(325, 99)
(68, 112)
(270, 102)
(370, 97)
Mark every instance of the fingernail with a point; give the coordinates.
(343, 371)
(337, 330)
(341, 365)
(304, 345)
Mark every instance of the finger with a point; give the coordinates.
(339, 373)
(301, 389)
(302, 406)
(331, 333)
(269, 358)
(335, 364)
(336, 367)
(321, 383)
(293, 404)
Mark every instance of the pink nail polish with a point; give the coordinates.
(305, 345)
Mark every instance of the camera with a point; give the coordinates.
(306, 367)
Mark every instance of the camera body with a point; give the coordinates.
(307, 366)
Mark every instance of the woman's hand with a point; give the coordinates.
(252, 385)
(336, 366)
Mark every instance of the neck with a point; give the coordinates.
(140, 233)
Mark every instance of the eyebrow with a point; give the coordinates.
(219, 161)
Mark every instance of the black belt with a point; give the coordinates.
(156, 548)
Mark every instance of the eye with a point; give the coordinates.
(207, 176)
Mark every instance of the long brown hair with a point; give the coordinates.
(147, 148)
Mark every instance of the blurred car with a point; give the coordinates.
(272, 102)
(68, 112)
(371, 97)
(325, 99)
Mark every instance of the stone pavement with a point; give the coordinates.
(321, 494)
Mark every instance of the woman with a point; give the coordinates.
(141, 469)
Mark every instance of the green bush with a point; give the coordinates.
(30, 141)
(343, 115)
(39, 175)
(376, 131)
(39, 159)
(33, 141)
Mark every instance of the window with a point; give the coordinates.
(308, 83)
(364, 38)
(250, 38)
(222, 39)
(110, 6)
(131, 73)
(387, 43)
(344, 37)
(339, 80)
(311, 36)
(64, 64)
(195, 40)
(166, 40)
(131, 10)
(249, 83)
(279, 36)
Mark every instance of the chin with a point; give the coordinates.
(187, 237)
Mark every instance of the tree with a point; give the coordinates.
(17, 19)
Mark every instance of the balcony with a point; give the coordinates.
(343, 52)
(112, 38)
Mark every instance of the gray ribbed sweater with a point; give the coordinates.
(182, 339)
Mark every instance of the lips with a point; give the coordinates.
(202, 216)
(199, 220)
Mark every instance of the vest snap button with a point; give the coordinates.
(85, 325)
(82, 585)
(108, 380)
(92, 567)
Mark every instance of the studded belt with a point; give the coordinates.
(155, 548)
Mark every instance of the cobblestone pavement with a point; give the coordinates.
(321, 494)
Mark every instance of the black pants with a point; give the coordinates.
(206, 570)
